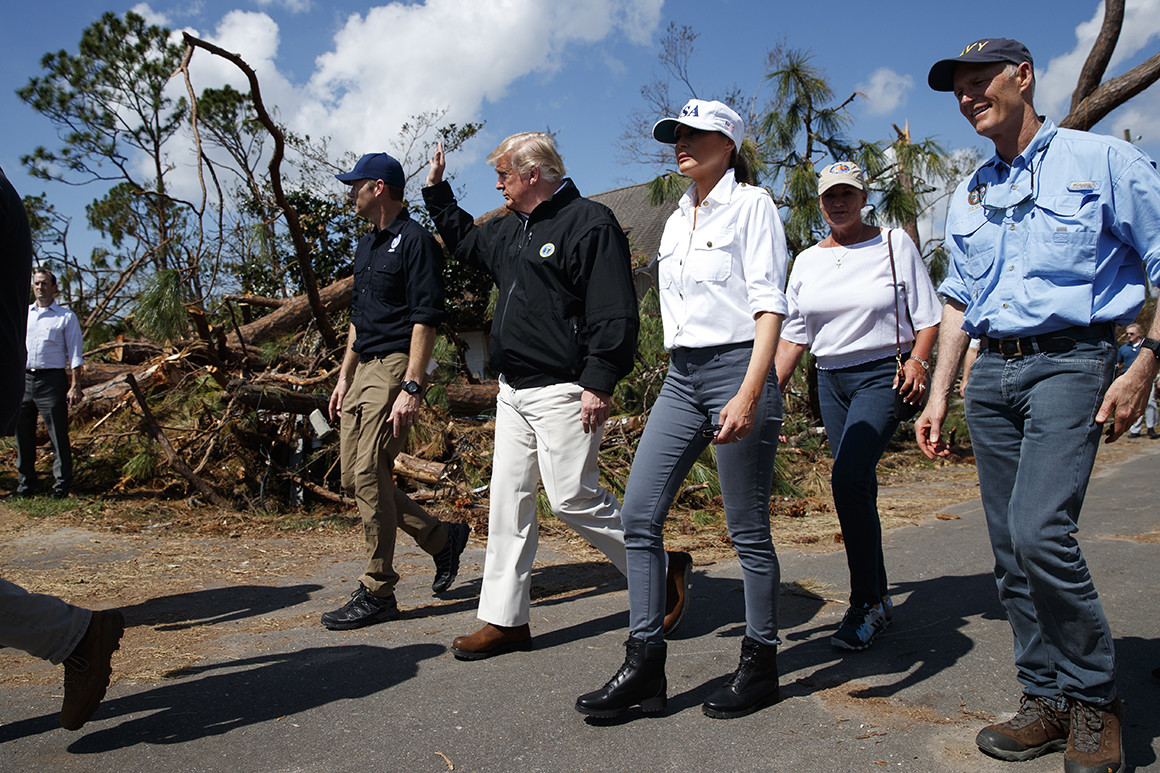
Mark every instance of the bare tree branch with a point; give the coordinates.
(301, 248)
(1101, 53)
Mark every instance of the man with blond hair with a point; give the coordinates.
(564, 333)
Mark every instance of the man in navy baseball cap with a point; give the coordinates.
(376, 166)
(942, 74)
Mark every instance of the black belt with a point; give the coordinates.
(44, 370)
(365, 358)
(1059, 341)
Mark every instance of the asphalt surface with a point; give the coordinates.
(392, 698)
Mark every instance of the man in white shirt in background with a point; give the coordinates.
(51, 385)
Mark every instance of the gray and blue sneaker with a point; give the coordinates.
(887, 610)
(859, 627)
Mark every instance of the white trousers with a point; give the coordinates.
(538, 435)
(43, 626)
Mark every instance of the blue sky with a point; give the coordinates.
(355, 72)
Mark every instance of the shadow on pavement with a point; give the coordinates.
(1140, 692)
(215, 605)
(236, 694)
(925, 638)
(551, 585)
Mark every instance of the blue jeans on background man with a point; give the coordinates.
(1032, 422)
(698, 385)
(858, 410)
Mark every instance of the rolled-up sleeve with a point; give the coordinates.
(764, 256)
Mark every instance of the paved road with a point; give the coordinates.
(391, 697)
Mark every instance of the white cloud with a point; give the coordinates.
(149, 15)
(886, 91)
(1056, 81)
(401, 59)
(398, 60)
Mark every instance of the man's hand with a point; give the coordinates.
(405, 412)
(1126, 400)
(337, 396)
(437, 167)
(928, 429)
(74, 394)
(594, 409)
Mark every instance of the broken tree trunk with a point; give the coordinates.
(272, 398)
(294, 314)
(175, 462)
(472, 399)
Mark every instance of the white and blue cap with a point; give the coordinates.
(710, 116)
(376, 166)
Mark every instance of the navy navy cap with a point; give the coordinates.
(942, 74)
(376, 166)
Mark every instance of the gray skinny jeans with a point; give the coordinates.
(698, 385)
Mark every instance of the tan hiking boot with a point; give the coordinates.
(1093, 746)
(1037, 728)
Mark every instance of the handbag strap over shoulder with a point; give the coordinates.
(905, 304)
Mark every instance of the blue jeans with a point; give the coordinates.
(858, 411)
(698, 385)
(1032, 422)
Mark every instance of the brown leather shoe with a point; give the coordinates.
(88, 669)
(1037, 728)
(677, 581)
(492, 640)
(1093, 746)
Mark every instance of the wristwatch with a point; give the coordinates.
(412, 387)
(1153, 344)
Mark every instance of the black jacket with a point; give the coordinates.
(567, 308)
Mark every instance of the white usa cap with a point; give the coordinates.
(711, 116)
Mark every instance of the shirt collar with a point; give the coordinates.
(720, 195)
(54, 306)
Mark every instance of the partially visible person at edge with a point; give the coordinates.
(51, 385)
(855, 311)
(1134, 336)
(397, 305)
(43, 626)
(564, 333)
(1045, 242)
(721, 264)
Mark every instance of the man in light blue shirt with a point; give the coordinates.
(1048, 243)
(51, 385)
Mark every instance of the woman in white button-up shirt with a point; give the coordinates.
(722, 267)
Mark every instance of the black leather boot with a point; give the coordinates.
(641, 680)
(751, 687)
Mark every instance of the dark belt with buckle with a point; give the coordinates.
(1059, 341)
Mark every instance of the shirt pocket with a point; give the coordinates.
(1064, 239)
(978, 252)
(711, 256)
(386, 274)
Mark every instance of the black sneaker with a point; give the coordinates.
(362, 609)
(447, 559)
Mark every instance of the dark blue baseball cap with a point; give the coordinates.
(376, 166)
(942, 75)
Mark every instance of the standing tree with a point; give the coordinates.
(110, 108)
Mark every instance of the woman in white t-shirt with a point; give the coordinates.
(851, 310)
(722, 265)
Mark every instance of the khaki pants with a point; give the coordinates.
(538, 436)
(369, 448)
